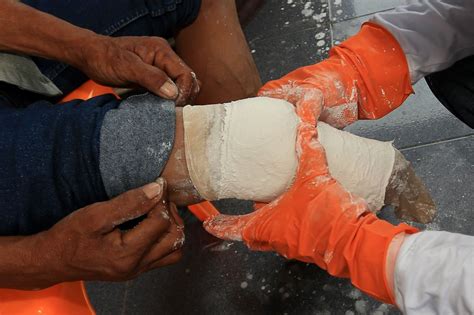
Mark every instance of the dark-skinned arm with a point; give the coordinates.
(88, 245)
(148, 62)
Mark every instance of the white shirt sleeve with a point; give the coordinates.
(434, 274)
(433, 34)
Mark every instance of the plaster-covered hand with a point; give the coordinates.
(365, 77)
(318, 221)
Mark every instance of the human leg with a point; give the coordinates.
(49, 161)
(65, 157)
(214, 46)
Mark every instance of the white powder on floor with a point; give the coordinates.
(307, 11)
(320, 35)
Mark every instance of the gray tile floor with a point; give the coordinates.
(226, 278)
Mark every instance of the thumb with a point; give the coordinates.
(127, 206)
(272, 89)
(156, 81)
(229, 227)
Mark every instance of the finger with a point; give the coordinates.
(155, 80)
(229, 227)
(197, 88)
(308, 99)
(290, 91)
(274, 93)
(189, 87)
(162, 208)
(185, 87)
(171, 259)
(175, 215)
(153, 227)
(272, 89)
(312, 164)
(181, 73)
(142, 237)
(172, 241)
(172, 64)
(309, 103)
(339, 115)
(127, 206)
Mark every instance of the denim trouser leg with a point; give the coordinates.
(49, 161)
(161, 18)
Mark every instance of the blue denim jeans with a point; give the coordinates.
(163, 18)
(49, 161)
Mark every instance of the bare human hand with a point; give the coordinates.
(88, 245)
(148, 62)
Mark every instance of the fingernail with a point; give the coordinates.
(160, 181)
(152, 190)
(169, 89)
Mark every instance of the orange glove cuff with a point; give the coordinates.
(383, 69)
(366, 256)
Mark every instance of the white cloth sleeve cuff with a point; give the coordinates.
(433, 34)
(434, 274)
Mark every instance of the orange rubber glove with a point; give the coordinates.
(318, 221)
(365, 77)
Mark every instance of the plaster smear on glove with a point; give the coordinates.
(246, 150)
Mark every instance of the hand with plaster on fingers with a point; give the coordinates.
(98, 250)
(148, 62)
(365, 77)
(318, 221)
(89, 245)
(128, 61)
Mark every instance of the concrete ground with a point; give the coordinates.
(226, 278)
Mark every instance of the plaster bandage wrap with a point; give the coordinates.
(363, 166)
(244, 149)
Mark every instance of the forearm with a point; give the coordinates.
(29, 31)
(19, 269)
(432, 34)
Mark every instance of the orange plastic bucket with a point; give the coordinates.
(62, 299)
